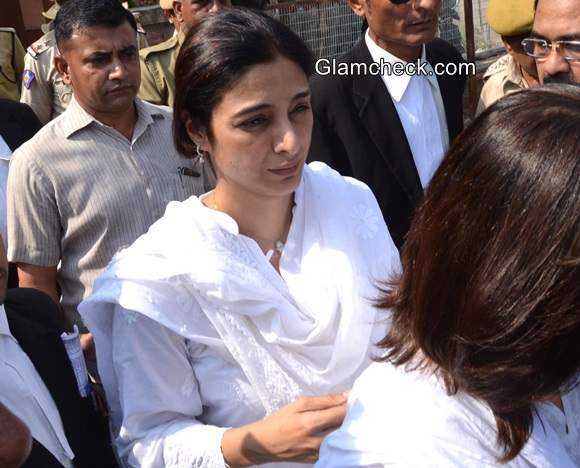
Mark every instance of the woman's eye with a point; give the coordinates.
(301, 108)
(253, 122)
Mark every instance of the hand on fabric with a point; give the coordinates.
(293, 433)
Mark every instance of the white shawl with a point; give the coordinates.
(306, 332)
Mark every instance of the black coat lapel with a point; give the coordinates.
(377, 111)
(40, 458)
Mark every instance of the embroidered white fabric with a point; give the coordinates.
(194, 312)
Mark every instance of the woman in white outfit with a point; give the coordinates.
(481, 364)
(228, 333)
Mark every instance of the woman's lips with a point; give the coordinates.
(286, 171)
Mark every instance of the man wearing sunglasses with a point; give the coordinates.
(555, 41)
(386, 129)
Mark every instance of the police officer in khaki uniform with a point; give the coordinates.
(167, 8)
(515, 70)
(43, 89)
(158, 61)
(11, 64)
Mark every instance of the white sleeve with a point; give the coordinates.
(159, 398)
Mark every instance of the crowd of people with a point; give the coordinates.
(272, 267)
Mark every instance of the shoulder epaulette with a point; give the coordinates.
(8, 30)
(498, 66)
(161, 47)
(42, 45)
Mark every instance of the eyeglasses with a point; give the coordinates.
(541, 48)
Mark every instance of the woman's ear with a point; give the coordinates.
(197, 136)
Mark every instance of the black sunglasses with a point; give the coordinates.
(399, 2)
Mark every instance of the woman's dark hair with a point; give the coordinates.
(75, 15)
(216, 54)
(489, 295)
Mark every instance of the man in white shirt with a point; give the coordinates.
(37, 384)
(98, 176)
(381, 114)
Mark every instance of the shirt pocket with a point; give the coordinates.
(178, 186)
(184, 182)
(6, 71)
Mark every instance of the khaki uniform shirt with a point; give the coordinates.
(79, 191)
(157, 71)
(43, 88)
(11, 64)
(502, 77)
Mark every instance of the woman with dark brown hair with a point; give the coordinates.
(481, 365)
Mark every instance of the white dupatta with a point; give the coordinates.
(307, 332)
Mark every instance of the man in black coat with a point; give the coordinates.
(18, 124)
(33, 338)
(385, 123)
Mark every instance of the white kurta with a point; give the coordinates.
(196, 332)
(406, 419)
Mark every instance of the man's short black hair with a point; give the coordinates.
(75, 15)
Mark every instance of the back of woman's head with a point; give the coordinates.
(490, 291)
(216, 54)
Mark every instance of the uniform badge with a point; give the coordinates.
(28, 77)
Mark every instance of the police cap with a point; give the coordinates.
(510, 17)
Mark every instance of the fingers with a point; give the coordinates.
(321, 402)
(328, 419)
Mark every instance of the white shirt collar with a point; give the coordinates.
(396, 85)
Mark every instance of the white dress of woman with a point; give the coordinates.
(197, 332)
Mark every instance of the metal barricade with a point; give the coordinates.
(330, 28)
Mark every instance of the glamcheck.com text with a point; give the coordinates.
(333, 67)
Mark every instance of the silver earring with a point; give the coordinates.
(199, 154)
